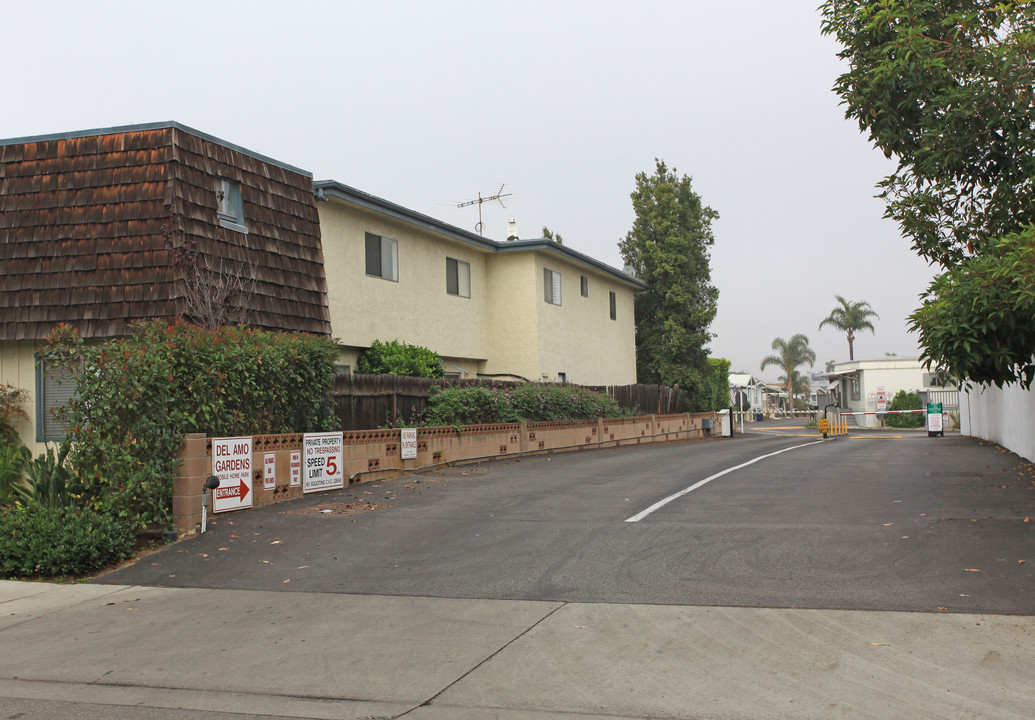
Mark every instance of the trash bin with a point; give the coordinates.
(758, 417)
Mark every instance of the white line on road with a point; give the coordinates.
(662, 503)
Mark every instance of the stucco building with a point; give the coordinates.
(101, 228)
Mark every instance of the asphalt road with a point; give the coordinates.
(884, 522)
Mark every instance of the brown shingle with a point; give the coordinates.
(85, 225)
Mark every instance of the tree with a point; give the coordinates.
(947, 88)
(790, 354)
(668, 248)
(801, 385)
(830, 366)
(552, 236)
(849, 317)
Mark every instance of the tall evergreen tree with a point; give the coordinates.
(669, 249)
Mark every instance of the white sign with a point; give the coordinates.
(322, 468)
(269, 471)
(409, 443)
(232, 464)
(296, 468)
(934, 422)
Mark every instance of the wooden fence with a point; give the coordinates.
(365, 402)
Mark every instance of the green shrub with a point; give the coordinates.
(396, 358)
(136, 396)
(905, 401)
(12, 461)
(474, 404)
(46, 480)
(42, 541)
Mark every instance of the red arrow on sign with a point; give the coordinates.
(241, 491)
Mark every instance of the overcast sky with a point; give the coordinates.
(428, 104)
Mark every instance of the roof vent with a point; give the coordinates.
(512, 231)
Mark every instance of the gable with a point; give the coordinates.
(95, 226)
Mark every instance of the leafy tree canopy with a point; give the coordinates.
(947, 88)
(668, 247)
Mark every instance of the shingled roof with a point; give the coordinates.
(94, 227)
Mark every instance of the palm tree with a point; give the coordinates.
(848, 318)
(801, 384)
(789, 355)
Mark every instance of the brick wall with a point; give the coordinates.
(375, 454)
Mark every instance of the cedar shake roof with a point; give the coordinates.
(94, 228)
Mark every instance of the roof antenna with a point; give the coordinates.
(498, 196)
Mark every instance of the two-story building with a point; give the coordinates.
(529, 308)
(101, 228)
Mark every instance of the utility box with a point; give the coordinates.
(706, 425)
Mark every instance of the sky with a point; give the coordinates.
(429, 104)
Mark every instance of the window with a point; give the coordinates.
(54, 388)
(853, 387)
(584, 282)
(551, 286)
(562, 378)
(382, 257)
(614, 305)
(229, 207)
(458, 277)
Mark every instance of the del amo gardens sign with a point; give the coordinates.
(232, 464)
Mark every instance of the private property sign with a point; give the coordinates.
(321, 461)
(232, 464)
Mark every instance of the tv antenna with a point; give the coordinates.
(498, 197)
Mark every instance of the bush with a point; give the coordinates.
(136, 396)
(12, 461)
(396, 358)
(43, 541)
(905, 401)
(473, 404)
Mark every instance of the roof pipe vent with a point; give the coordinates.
(512, 231)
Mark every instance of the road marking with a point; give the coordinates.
(662, 503)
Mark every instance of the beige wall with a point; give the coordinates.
(513, 304)
(579, 338)
(416, 309)
(18, 369)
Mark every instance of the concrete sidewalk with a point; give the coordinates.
(109, 651)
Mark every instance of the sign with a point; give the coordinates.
(232, 464)
(934, 419)
(322, 455)
(269, 471)
(871, 397)
(409, 443)
(882, 406)
(295, 463)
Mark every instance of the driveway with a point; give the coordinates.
(888, 522)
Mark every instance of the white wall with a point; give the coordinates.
(1005, 416)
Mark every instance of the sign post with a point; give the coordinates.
(934, 420)
(232, 464)
(322, 458)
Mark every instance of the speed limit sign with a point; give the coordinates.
(321, 462)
